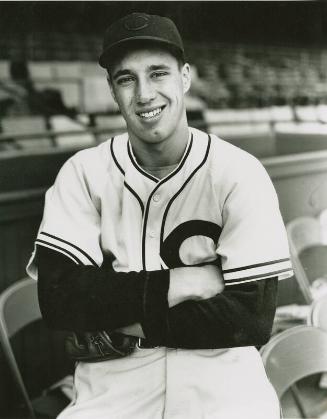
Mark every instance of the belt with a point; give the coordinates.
(132, 342)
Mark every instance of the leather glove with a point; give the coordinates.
(99, 346)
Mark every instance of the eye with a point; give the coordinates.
(159, 74)
(123, 81)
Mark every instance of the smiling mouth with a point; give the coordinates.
(151, 114)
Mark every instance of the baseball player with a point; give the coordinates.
(170, 237)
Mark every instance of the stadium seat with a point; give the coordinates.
(317, 317)
(318, 313)
(97, 95)
(281, 113)
(260, 115)
(219, 116)
(323, 221)
(26, 125)
(71, 93)
(92, 69)
(4, 70)
(68, 92)
(322, 113)
(237, 116)
(308, 251)
(114, 123)
(41, 71)
(236, 75)
(62, 125)
(293, 359)
(19, 308)
(306, 113)
(67, 70)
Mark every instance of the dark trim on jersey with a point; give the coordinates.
(137, 167)
(72, 245)
(181, 189)
(262, 276)
(114, 157)
(123, 173)
(136, 196)
(243, 268)
(165, 179)
(62, 250)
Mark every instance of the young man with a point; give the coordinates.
(169, 235)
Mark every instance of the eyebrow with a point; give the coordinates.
(153, 67)
(121, 73)
(159, 67)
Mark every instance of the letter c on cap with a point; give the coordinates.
(136, 23)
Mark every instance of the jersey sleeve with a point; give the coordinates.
(71, 221)
(253, 244)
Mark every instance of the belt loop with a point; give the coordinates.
(139, 343)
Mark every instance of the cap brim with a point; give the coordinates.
(107, 54)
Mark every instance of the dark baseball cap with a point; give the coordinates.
(140, 27)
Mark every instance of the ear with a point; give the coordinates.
(111, 89)
(186, 76)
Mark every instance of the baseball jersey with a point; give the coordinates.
(217, 204)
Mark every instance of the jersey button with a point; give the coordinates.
(156, 197)
(152, 234)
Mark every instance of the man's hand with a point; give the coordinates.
(194, 283)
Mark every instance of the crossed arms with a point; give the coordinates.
(182, 307)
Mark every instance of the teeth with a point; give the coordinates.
(151, 114)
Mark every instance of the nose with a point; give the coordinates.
(145, 92)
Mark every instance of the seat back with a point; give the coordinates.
(323, 223)
(318, 313)
(114, 125)
(306, 113)
(97, 95)
(294, 354)
(41, 70)
(303, 233)
(70, 91)
(26, 125)
(18, 308)
(79, 137)
(4, 70)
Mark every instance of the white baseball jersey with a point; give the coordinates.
(219, 202)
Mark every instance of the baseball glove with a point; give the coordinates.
(98, 346)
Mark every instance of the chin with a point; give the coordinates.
(154, 137)
(153, 140)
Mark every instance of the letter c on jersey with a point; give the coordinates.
(170, 247)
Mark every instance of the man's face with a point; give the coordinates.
(149, 87)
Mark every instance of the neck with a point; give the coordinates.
(164, 153)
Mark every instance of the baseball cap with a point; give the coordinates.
(140, 27)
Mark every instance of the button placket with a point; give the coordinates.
(156, 197)
(152, 234)
(153, 229)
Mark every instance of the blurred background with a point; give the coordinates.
(259, 81)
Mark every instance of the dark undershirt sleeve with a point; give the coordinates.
(242, 315)
(86, 298)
